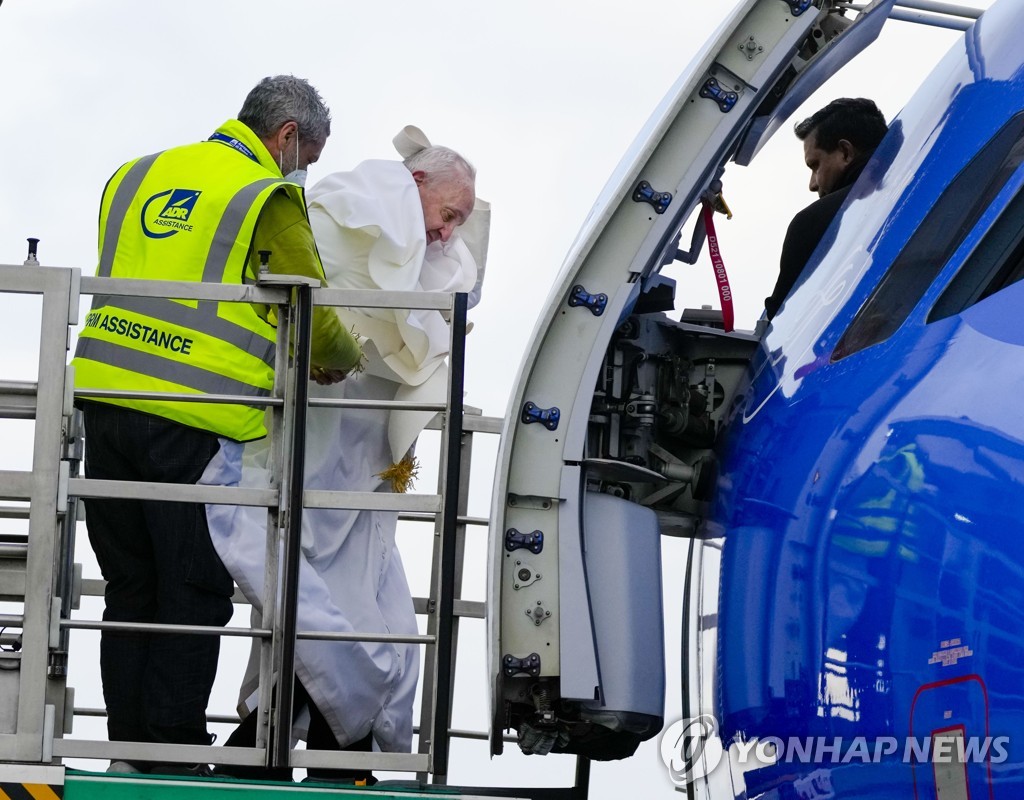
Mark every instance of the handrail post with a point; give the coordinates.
(40, 696)
(281, 730)
(446, 579)
(280, 447)
(73, 451)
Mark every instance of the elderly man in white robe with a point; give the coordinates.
(384, 225)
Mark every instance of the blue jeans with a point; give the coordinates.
(160, 566)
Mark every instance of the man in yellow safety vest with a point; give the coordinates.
(200, 212)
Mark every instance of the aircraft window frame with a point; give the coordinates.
(953, 215)
(997, 262)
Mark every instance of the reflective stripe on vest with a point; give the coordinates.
(126, 191)
(203, 318)
(185, 375)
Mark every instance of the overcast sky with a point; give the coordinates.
(543, 97)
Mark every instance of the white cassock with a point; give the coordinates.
(369, 228)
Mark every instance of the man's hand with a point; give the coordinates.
(325, 376)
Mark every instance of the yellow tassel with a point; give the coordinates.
(401, 474)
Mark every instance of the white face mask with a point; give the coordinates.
(296, 175)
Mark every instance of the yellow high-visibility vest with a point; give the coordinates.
(187, 214)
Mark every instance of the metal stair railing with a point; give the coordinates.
(28, 719)
(45, 711)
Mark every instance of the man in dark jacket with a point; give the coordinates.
(838, 141)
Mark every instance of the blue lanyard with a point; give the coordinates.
(230, 141)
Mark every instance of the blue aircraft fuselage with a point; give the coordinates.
(872, 500)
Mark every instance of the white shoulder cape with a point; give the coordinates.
(369, 228)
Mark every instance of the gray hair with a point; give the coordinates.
(442, 163)
(283, 98)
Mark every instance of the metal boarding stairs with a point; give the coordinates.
(41, 585)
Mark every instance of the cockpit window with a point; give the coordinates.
(942, 231)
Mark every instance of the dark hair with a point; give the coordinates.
(283, 98)
(855, 119)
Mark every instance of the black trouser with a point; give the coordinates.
(160, 566)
